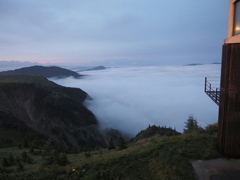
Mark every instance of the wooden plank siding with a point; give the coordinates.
(229, 106)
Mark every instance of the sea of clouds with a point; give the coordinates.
(131, 98)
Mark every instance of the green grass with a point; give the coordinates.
(150, 158)
(26, 79)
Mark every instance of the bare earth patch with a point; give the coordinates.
(217, 169)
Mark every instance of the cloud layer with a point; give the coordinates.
(131, 98)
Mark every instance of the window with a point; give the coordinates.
(237, 19)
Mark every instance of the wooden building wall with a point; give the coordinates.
(229, 107)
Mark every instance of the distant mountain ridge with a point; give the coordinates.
(193, 64)
(96, 68)
(197, 64)
(82, 68)
(48, 72)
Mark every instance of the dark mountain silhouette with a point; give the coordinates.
(193, 64)
(47, 72)
(82, 68)
(96, 68)
(33, 108)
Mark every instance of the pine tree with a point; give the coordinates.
(24, 156)
(5, 163)
(25, 143)
(63, 160)
(46, 149)
(20, 166)
(111, 144)
(55, 156)
(121, 143)
(191, 125)
(10, 158)
(31, 151)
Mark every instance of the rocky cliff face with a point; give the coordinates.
(32, 103)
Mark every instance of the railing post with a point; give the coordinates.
(205, 84)
(216, 94)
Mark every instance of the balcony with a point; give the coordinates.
(212, 89)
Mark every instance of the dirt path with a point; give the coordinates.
(217, 169)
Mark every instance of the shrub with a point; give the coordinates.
(57, 159)
(211, 129)
(88, 155)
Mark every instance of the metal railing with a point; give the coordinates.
(213, 93)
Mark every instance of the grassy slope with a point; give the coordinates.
(27, 79)
(43, 82)
(151, 158)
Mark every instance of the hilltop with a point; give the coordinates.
(155, 130)
(48, 72)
